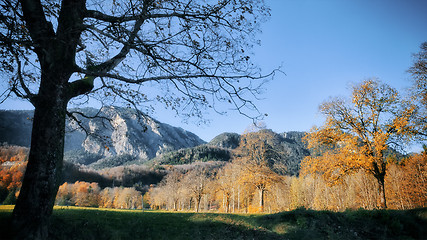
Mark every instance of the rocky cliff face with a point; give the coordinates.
(112, 131)
(119, 136)
(121, 131)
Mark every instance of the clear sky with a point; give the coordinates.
(324, 46)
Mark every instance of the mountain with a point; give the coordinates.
(289, 145)
(226, 140)
(201, 153)
(122, 136)
(116, 135)
(15, 127)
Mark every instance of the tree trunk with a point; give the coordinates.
(227, 203)
(383, 201)
(197, 203)
(261, 199)
(56, 55)
(379, 174)
(238, 199)
(43, 174)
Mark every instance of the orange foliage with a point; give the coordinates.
(259, 163)
(408, 188)
(13, 161)
(357, 134)
(86, 194)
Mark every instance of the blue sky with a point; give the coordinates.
(324, 46)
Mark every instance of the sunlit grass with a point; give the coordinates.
(6, 208)
(95, 223)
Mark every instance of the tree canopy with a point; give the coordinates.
(188, 55)
(419, 90)
(360, 132)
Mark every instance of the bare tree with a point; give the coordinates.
(419, 90)
(259, 162)
(196, 181)
(189, 55)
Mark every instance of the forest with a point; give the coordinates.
(192, 58)
(254, 180)
(354, 161)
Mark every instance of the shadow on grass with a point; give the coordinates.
(351, 224)
(92, 224)
(76, 223)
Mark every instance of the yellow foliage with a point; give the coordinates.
(356, 135)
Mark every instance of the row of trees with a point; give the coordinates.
(121, 180)
(187, 55)
(240, 186)
(254, 181)
(84, 194)
(354, 157)
(13, 160)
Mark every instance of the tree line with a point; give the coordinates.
(354, 161)
(254, 181)
(84, 194)
(251, 183)
(79, 182)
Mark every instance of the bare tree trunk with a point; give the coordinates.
(261, 199)
(383, 201)
(238, 199)
(197, 205)
(56, 55)
(233, 199)
(43, 174)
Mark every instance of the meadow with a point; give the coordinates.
(94, 223)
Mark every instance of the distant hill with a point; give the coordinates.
(202, 153)
(289, 145)
(220, 148)
(122, 136)
(117, 135)
(15, 127)
(226, 140)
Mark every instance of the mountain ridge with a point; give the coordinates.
(113, 131)
(121, 136)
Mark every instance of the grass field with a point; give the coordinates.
(87, 223)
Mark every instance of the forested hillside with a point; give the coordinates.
(119, 136)
(259, 173)
(132, 161)
(110, 135)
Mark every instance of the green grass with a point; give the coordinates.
(86, 223)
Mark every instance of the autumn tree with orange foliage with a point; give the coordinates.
(13, 160)
(84, 194)
(409, 178)
(227, 187)
(259, 162)
(358, 133)
(415, 179)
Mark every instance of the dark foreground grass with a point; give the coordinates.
(83, 223)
